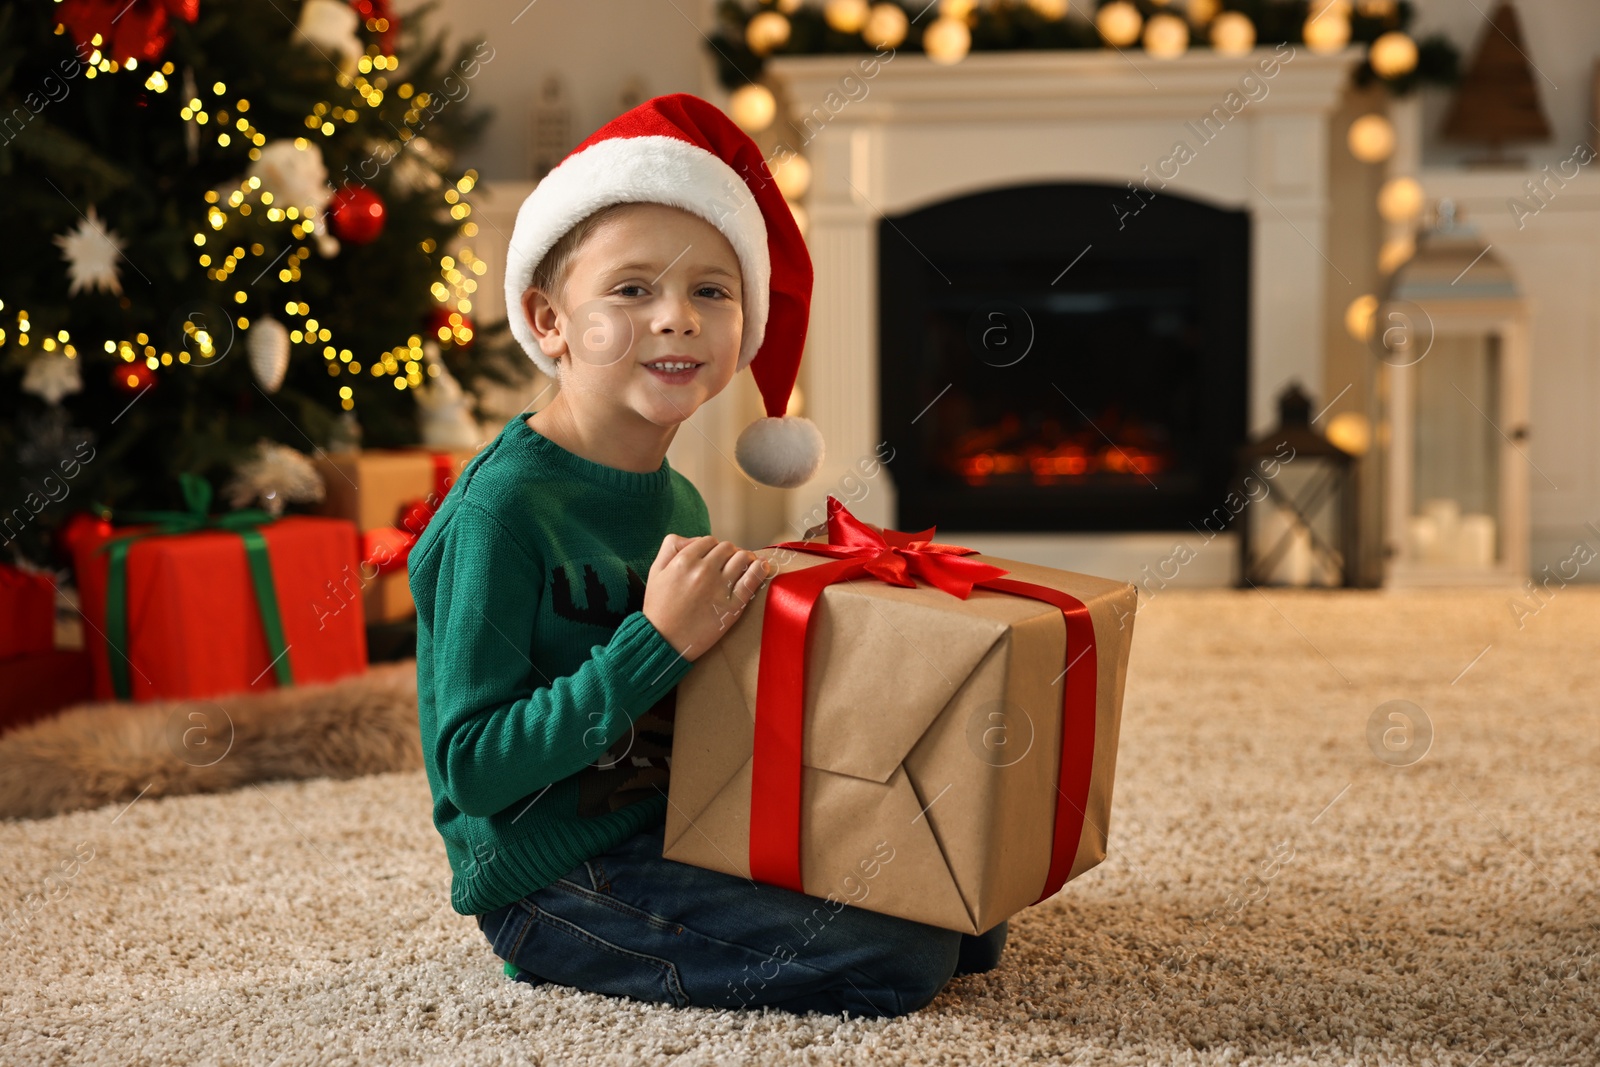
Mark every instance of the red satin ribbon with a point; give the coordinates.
(386, 549)
(898, 558)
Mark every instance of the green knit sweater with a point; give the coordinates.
(544, 694)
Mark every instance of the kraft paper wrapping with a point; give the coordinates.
(932, 729)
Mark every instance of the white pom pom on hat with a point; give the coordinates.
(683, 151)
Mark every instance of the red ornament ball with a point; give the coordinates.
(82, 524)
(458, 327)
(356, 214)
(133, 377)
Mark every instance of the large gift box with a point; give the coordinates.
(35, 685)
(27, 612)
(907, 726)
(391, 495)
(37, 676)
(187, 604)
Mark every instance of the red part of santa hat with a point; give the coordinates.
(683, 151)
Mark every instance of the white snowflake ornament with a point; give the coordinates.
(293, 175)
(276, 475)
(91, 253)
(52, 376)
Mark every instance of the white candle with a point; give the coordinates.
(1446, 515)
(1294, 567)
(1475, 546)
(1423, 533)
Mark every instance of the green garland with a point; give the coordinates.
(1011, 25)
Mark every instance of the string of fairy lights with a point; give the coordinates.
(406, 365)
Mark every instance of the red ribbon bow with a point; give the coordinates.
(898, 558)
(386, 549)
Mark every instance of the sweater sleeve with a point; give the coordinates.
(504, 730)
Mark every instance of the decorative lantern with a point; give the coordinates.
(1297, 498)
(1452, 332)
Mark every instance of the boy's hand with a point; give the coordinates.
(697, 587)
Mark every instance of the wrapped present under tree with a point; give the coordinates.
(189, 604)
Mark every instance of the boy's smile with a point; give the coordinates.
(646, 329)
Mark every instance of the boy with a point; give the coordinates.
(570, 579)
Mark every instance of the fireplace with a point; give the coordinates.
(1063, 357)
(1001, 170)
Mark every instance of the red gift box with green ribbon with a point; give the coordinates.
(189, 604)
(905, 725)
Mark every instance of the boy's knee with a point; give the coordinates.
(916, 971)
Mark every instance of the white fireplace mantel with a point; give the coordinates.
(909, 132)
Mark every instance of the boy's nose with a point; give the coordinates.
(677, 317)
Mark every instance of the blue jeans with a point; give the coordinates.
(630, 923)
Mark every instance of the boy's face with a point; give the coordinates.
(651, 283)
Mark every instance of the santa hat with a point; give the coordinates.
(681, 150)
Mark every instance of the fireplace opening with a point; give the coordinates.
(1063, 357)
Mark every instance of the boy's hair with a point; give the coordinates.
(550, 276)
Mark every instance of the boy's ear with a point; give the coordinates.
(541, 316)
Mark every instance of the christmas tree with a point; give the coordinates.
(237, 235)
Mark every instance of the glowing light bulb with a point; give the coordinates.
(1371, 138)
(1327, 32)
(1232, 33)
(846, 16)
(886, 26)
(766, 31)
(1393, 54)
(1119, 22)
(1166, 36)
(947, 40)
(753, 107)
(1400, 199)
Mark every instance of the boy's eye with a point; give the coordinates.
(713, 290)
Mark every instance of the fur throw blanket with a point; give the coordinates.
(95, 754)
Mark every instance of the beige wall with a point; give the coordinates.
(594, 45)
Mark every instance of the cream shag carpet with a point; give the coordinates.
(1276, 893)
